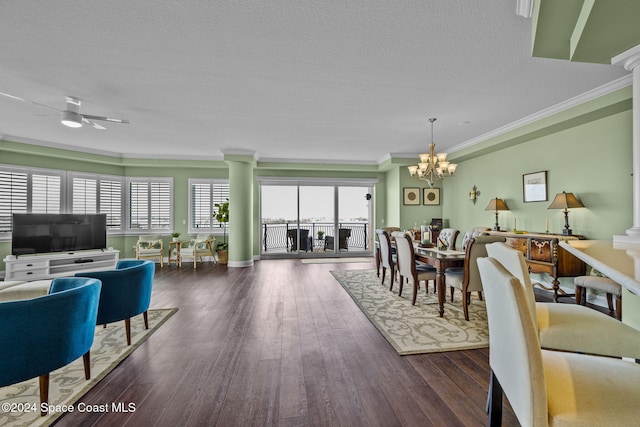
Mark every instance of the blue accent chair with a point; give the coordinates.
(42, 334)
(126, 292)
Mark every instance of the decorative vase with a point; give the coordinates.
(175, 239)
(223, 256)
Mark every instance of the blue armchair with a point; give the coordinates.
(126, 292)
(42, 334)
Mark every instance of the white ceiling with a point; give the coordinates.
(329, 80)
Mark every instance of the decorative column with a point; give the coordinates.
(631, 61)
(240, 209)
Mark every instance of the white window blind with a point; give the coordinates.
(111, 202)
(84, 195)
(46, 193)
(204, 195)
(26, 190)
(13, 197)
(150, 204)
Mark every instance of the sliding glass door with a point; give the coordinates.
(315, 219)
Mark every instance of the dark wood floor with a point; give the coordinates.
(282, 344)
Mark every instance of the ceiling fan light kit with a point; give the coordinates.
(71, 119)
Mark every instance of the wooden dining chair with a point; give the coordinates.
(467, 278)
(387, 258)
(407, 268)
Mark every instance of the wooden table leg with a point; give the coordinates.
(440, 284)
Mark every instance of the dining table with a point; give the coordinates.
(441, 259)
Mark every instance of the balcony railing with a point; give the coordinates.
(274, 235)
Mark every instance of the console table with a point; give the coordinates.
(543, 254)
(45, 266)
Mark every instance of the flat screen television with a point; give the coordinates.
(45, 233)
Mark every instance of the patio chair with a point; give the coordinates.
(306, 243)
(343, 240)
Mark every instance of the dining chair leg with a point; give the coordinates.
(619, 307)
(495, 402)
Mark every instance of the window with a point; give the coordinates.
(98, 194)
(147, 203)
(150, 204)
(26, 190)
(204, 194)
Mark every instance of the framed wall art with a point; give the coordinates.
(430, 196)
(534, 187)
(411, 196)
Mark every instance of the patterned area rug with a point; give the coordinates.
(416, 329)
(67, 384)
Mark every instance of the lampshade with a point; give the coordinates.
(497, 205)
(565, 200)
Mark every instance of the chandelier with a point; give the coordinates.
(432, 167)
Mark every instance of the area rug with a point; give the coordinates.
(334, 260)
(416, 329)
(67, 384)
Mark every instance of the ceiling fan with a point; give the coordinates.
(71, 116)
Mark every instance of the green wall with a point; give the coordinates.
(592, 160)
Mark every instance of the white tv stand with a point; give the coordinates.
(45, 266)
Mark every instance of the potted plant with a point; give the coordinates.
(175, 235)
(320, 234)
(222, 216)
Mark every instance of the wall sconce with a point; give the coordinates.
(473, 194)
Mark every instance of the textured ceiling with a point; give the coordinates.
(328, 80)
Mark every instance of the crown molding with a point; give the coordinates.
(524, 8)
(629, 59)
(605, 89)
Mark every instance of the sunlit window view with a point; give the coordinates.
(315, 219)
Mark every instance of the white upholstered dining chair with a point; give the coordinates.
(407, 268)
(570, 327)
(387, 258)
(467, 278)
(548, 388)
(449, 237)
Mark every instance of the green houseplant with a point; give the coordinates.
(222, 216)
(175, 235)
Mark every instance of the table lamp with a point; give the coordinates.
(497, 205)
(565, 201)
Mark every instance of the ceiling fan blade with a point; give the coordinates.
(106, 119)
(17, 98)
(93, 124)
